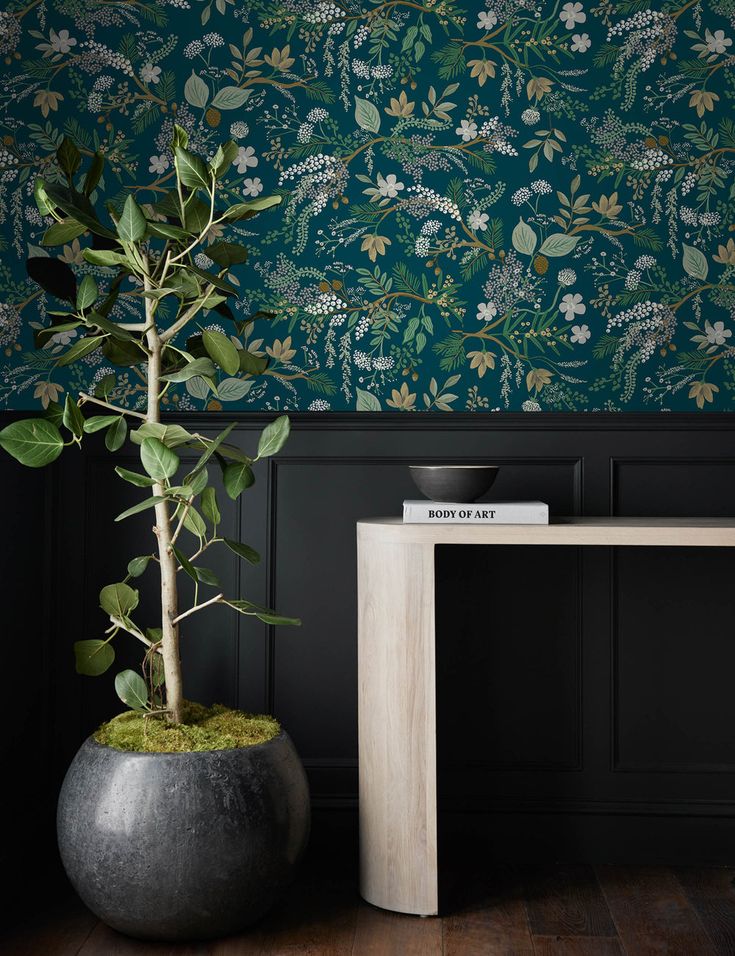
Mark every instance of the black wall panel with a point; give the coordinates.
(584, 694)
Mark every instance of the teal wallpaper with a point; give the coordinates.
(515, 205)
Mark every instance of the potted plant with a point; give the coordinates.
(175, 821)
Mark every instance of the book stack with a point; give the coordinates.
(485, 512)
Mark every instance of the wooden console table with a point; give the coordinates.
(397, 688)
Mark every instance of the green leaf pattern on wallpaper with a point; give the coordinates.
(511, 205)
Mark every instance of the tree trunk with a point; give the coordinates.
(168, 563)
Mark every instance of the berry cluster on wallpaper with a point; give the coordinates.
(509, 205)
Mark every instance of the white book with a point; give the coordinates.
(484, 512)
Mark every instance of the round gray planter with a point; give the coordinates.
(186, 845)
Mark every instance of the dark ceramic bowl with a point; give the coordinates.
(457, 483)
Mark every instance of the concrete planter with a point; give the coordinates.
(183, 846)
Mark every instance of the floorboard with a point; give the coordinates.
(59, 928)
(711, 892)
(380, 933)
(492, 911)
(576, 946)
(566, 900)
(652, 913)
(486, 913)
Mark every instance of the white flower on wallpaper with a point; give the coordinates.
(518, 206)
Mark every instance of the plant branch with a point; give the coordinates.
(169, 594)
(182, 519)
(118, 622)
(186, 317)
(202, 235)
(84, 398)
(198, 607)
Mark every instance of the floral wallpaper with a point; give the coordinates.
(509, 205)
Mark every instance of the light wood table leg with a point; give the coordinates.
(397, 726)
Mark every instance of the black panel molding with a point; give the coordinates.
(474, 421)
(615, 750)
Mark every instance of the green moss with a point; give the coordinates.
(204, 728)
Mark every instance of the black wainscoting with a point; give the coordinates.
(585, 701)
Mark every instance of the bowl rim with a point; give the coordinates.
(452, 467)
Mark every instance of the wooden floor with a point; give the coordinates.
(498, 910)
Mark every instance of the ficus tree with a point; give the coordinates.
(147, 254)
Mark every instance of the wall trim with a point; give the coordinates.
(449, 421)
(469, 421)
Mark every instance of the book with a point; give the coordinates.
(484, 512)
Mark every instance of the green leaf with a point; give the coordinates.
(94, 173)
(158, 460)
(268, 618)
(122, 352)
(68, 157)
(166, 231)
(367, 115)
(80, 349)
(558, 245)
(190, 169)
(185, 563)
(196, 91)
(106, 257)
(196, 215)
(34, 442)
(131, 689)
(105, 325)
(237, 476)
(195, 484)
(243, 550)
(206, 576)
(233, 389)
(245, 210)
(44, 203)
(140, 481)
(222, 284)
(194, 522)
(366, 401)
(198, 388)
(230, 98)
(87, 293)
(252, 364)
(105, 385)
(54, 276)
(118, 600)
(98, 422)
(695, 262)
(235, 454)
(524, 238)
(141, 506)
(59, 233)
(116, 435)
(200, 366)
(227, 254)
(148, 430)
(180, 136)
(224, 157)
(73, 418)
(131, 226)
(221, 350)
(210, 450)
(136, 566)
(93, 657)
(77, 206)
(174, 435)
(210, 506)
(54, 414)
(273, 437)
